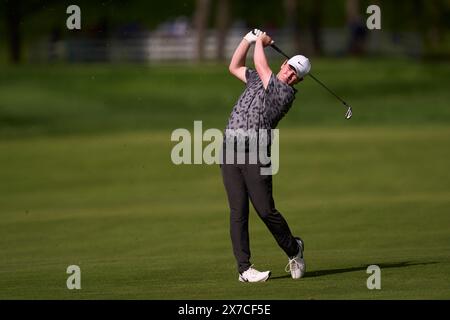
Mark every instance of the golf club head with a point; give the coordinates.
(349, 113)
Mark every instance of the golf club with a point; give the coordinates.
(349, 113)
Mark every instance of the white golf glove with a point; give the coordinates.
(252, 36)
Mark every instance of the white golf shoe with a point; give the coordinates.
(296, 265)
(253, 275)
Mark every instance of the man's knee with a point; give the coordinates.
(239, 213)
(267, 213)
(241, 219)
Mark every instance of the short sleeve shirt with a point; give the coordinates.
(257, 108)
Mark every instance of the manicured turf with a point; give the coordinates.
(87, 180)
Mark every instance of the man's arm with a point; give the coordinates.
(260, 60)
(237, 65)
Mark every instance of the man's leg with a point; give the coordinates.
(239, 209)
(260, 191)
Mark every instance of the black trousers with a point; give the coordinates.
(243, 182)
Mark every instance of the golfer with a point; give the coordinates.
(266, 99)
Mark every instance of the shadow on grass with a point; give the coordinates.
(382, 266)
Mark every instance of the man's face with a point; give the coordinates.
(288, 75)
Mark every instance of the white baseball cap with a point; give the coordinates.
(301, 65)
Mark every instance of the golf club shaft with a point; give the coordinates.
(312, 76)
(279, 50)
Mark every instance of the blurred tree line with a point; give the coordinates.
(24, 21)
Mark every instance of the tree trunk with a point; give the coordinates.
(13, 16)
(356, 26)
(292, 26)
(316, 26)
(222, 23)
(434, 29)
(201, 21)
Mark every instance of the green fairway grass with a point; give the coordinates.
(87, 179)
